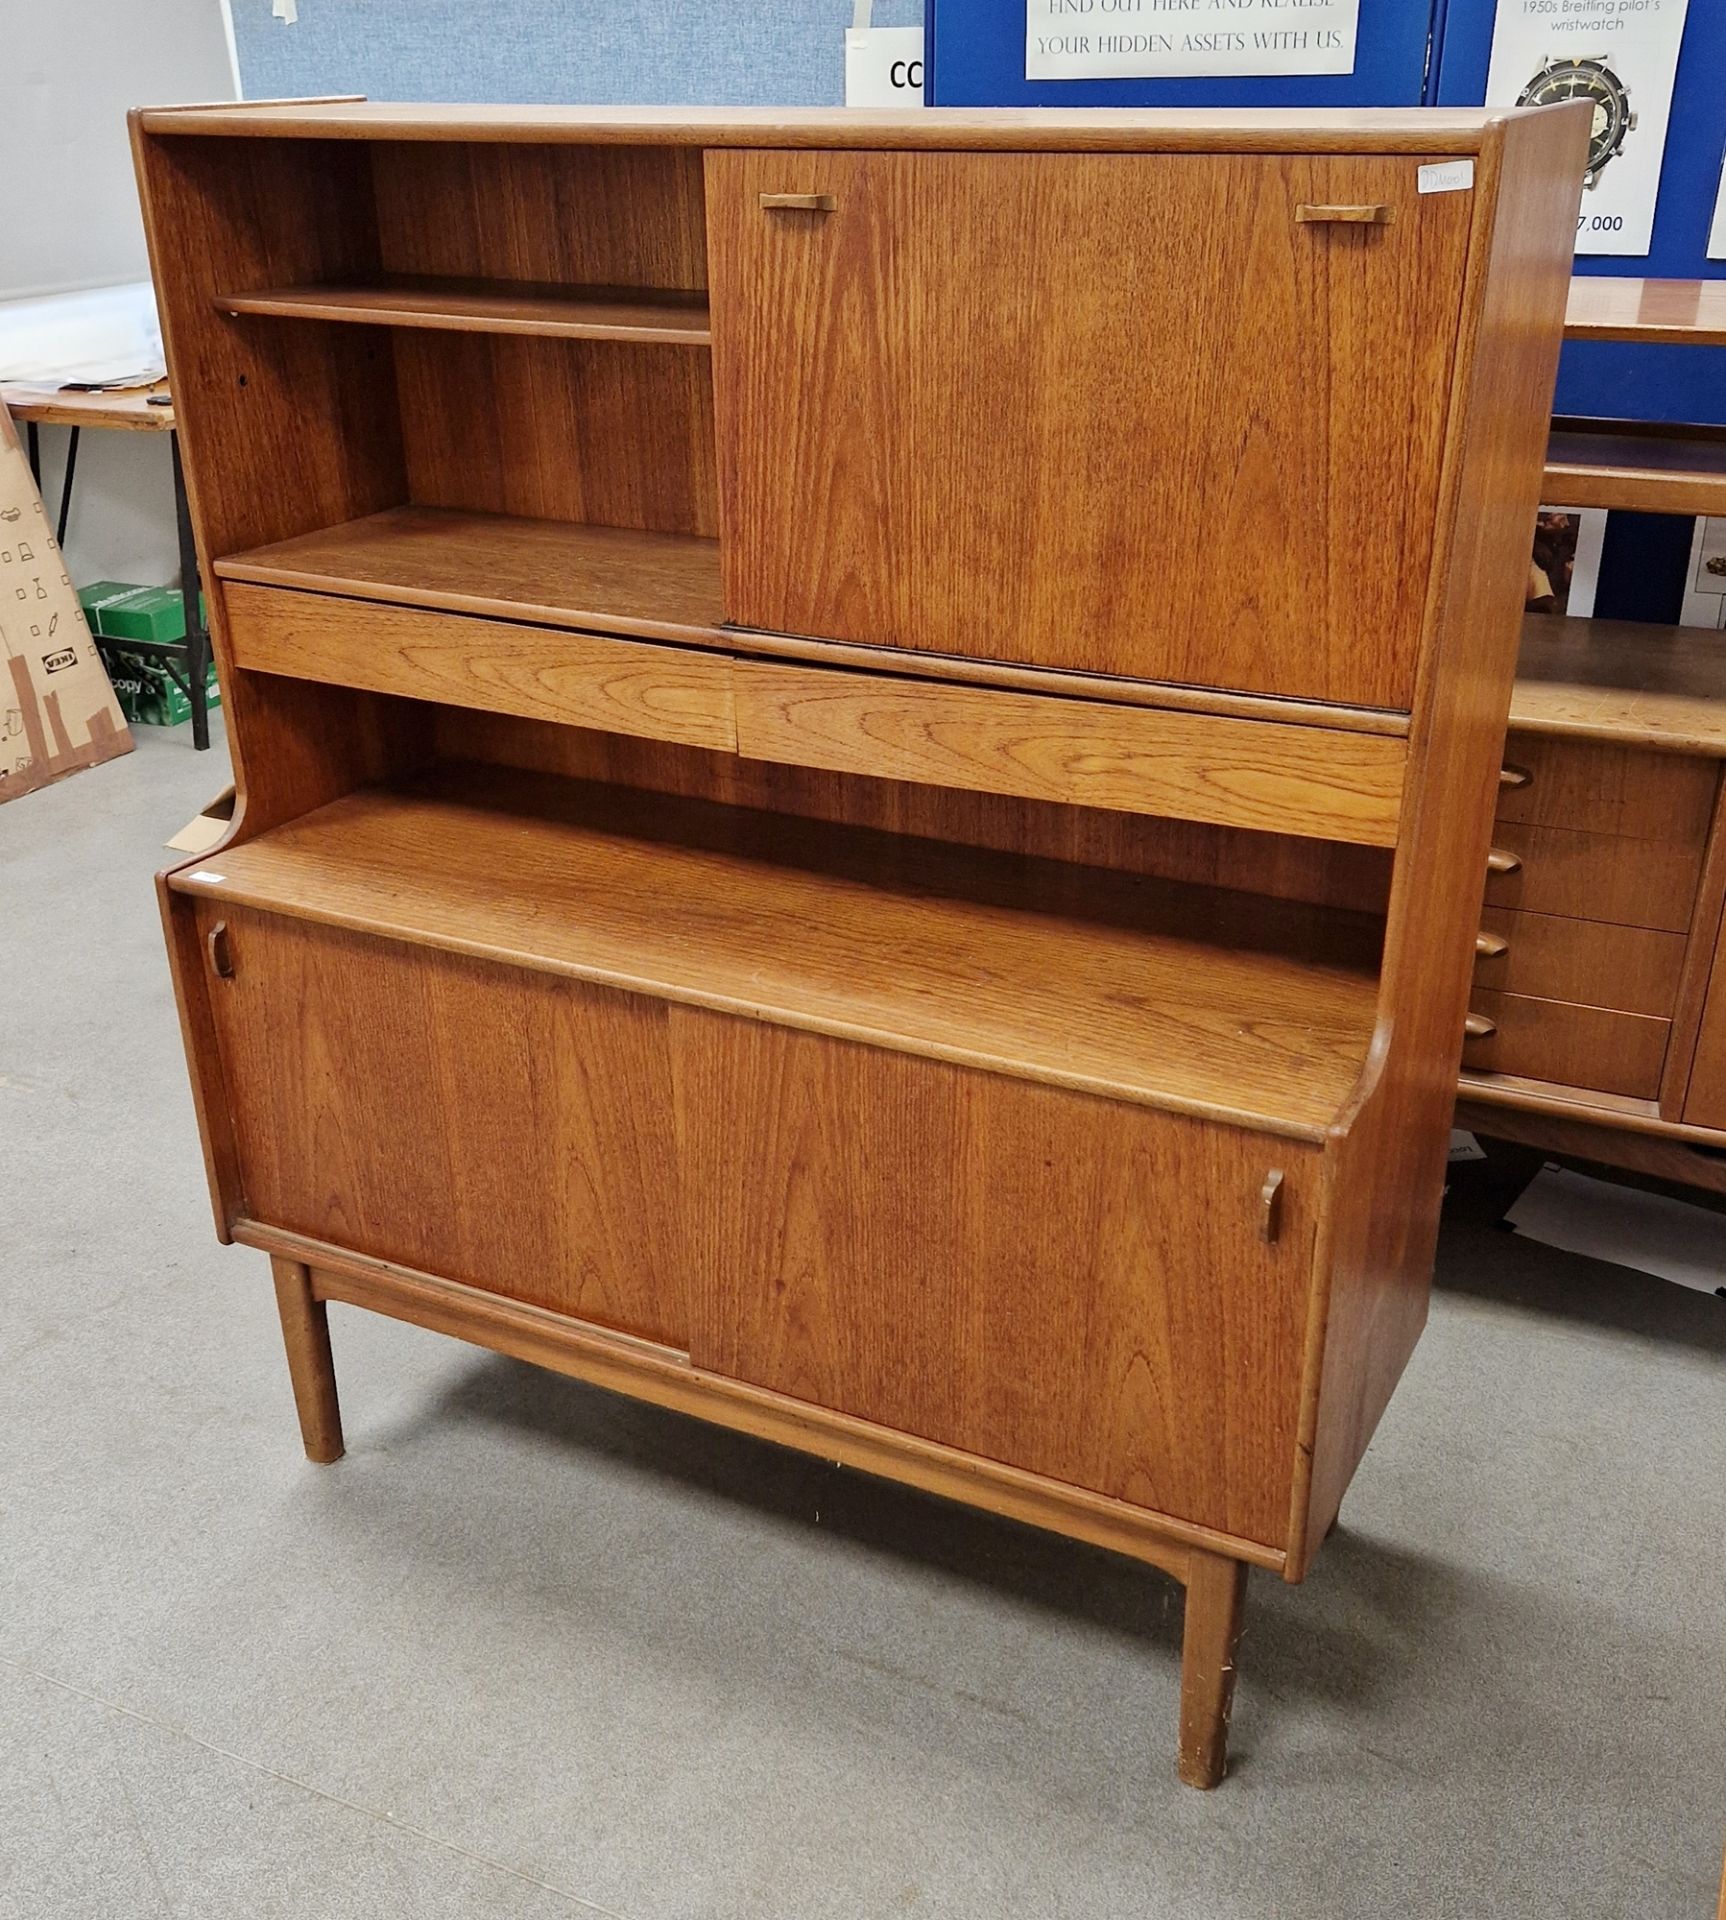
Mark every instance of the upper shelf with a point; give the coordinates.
(1620, 680)
(642, 315)
(1644, 468)
(662, 586)
(1188, 997)
(1668, 312)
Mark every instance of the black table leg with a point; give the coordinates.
(197, 634)
(33, 452)
(66, 485)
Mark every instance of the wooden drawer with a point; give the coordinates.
(1321, 782)
(503, 666)
(1591, 962)
(1595, 876)
(1590, 787)
(1576, 1046)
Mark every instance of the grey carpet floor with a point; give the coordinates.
(530, 1651)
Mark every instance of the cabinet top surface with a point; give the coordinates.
(1382, 129)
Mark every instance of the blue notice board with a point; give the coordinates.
(1637, 382)
(976, 58)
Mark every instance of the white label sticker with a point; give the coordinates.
(208, 875)
(1446, 176)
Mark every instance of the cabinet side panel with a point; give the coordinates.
(1048, 1280)
(1382, 1217)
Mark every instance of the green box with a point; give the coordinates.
(119, 610)
(145, 689)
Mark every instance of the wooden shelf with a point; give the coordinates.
(1168, 995)
(1643, 468)
(1623, 681)
(607, 579)
(645, 316)
(1660, 312)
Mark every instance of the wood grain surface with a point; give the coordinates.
(1275, 130)
(1596, 876)
(466, 304)
(1660, 312)
(1191, 766)
(1622, 463)
(1121, 1249)
(612, 579)
(1596, 787)
(379, 1093)
(1622, 680)
(1557, 1040)
(867, 375)
(1186, 997)
(1633, 969)
(575, 679)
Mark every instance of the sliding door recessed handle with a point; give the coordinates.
(800, 202)
(1478, 1027)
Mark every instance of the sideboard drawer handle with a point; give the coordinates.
(1498, 861)
(1514, 777)
(1488, 946)
(1375, 214)
(1478, 1027)
(801, 202)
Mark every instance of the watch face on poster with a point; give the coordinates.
(1593, 80)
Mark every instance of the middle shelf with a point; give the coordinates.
(1158, 992)
(568, 574)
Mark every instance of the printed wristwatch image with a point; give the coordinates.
(1572, 79)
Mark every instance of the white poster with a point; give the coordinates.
(1622, 57)
(1132, 39)
(884, 66)
(1705, 589)
(1717, 232)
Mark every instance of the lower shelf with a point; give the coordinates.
(1191, 998)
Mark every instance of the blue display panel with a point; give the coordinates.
(1635, 382)
(709, 53)
(977, 59)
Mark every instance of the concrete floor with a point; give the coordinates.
(530, 1652)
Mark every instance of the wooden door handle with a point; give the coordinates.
(802, 202)
(1488, 946)
(1271, 1205)
(1478, 1027)
(1498, 861)
(1374, 214)
(220, 952)
(1514, 777)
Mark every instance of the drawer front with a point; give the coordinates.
(1589, 787)
(1315, 781)
(502, 666)
(1574, 1046)
(1595, 876)
(1591, 962)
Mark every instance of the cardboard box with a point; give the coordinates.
(146, 689)
(119, 610)
(57, 711)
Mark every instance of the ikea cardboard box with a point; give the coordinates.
(57, 711)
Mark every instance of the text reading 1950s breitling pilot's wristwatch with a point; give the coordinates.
(1593, 80)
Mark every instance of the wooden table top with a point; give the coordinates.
(1678, 312)
(129, 410)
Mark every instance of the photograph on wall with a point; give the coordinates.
(1621, 56)
(1140, 39)
(1564, 567)
(1705, 589)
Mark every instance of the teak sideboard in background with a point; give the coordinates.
(866, 748)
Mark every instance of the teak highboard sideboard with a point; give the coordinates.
(866, 746)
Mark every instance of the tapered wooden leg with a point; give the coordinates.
(306, 1333)
(1216, 1589)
